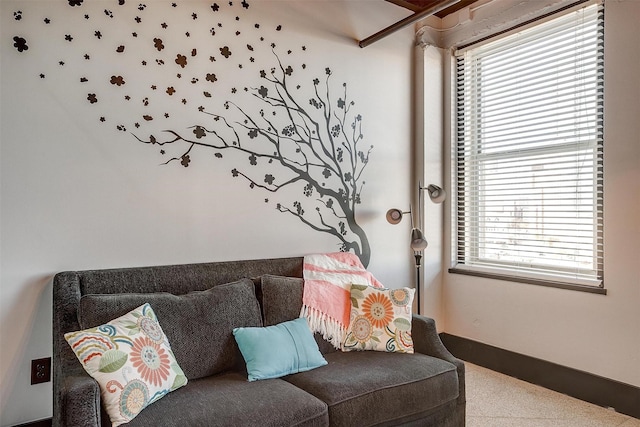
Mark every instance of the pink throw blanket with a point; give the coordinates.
(326, 301)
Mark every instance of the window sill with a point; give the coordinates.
(532, 281)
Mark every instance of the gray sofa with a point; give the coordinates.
(354, 389)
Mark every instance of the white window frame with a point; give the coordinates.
(467, 206)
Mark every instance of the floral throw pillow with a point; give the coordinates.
(380, 320)
(131, 359)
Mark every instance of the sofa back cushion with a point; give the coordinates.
(281, 298)
(282, 301)
(199, 325)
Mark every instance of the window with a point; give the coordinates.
(529, 159)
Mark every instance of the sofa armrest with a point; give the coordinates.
(427, 341)
(81, 402)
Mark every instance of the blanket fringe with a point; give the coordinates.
(330, 328)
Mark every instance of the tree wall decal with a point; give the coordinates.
(314, 146)
(157, 65)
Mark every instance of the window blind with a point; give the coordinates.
(529, 160)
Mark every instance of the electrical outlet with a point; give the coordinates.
(41, 370)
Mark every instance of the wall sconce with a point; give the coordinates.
(436, 194)
(394, 216)
(418, 242)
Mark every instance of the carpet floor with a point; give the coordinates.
(497, 400)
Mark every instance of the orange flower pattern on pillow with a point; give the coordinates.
(151, 361)
(378, 309)
(380, 320)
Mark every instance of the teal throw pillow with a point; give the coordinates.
(278, 350)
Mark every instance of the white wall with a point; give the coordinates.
(77, 193)
(428, 164)
(594, 333)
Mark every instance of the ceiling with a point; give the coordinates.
(418, 5)
(422, 9)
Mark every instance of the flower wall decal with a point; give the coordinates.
(281, 126)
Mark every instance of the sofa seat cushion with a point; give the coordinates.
(230, 400)
(366, 388)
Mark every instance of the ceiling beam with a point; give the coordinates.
(407, 5)
(441, 5)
